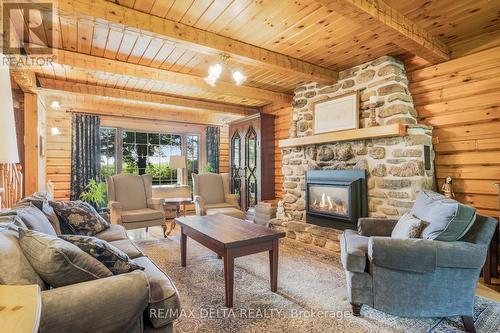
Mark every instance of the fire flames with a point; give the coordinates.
(329, 205)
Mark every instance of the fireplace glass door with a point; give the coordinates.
(329, 200)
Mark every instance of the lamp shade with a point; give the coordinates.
(177, 162)
(8, 138)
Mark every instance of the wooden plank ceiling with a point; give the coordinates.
(157, 48)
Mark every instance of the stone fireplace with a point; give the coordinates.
(396, 167)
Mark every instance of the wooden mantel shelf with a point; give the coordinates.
(354, 134)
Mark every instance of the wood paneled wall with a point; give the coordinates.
(461, 99)
(223, 149)
(282, 123)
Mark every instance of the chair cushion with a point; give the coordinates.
(117, 261)
(15, 267)
(231, 211)
(211, 188)
(34, 219)
(129, 191)
(114, 232)
(163, 293)
(127, 246)
(141, 215)
(59, 263)
(79, 218)
(353, 250)
(408, 226)
(448, 219)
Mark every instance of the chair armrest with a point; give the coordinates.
(424, 255)
(156, 203)
(373, 226)
(199, 204)
(233, 199)
(115, 212)
(113, 304)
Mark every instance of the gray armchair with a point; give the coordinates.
(414, 277)
(131, 203)
(212, 195)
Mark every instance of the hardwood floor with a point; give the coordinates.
(154, 233)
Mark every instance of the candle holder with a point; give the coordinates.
(373, 111)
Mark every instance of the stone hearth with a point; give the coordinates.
(395, 166)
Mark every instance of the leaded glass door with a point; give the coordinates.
(236, 163)
(251, 152)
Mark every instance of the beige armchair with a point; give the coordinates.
(212, 195)
(131, 203)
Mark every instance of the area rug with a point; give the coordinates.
(311, 295)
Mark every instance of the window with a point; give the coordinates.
(108, 148)
(149, 153)
(192, 156)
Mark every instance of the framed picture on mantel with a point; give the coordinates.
(336, 114)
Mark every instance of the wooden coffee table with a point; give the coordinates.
(230, 238)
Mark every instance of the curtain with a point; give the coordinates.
(85, 151)
(213, 139)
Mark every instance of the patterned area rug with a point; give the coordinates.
(311, 295)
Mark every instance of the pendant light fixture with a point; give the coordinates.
(215, 71)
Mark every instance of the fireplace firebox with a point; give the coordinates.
(336, 198)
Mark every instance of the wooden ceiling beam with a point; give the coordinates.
(104, 106)
(378, 16)
(93, 63)
(25, 79)
(199, 40)
(183, 103)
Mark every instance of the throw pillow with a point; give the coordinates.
(41, 201)
(408, 226)
(59, 263)
(33, 219)
(117, 261)
(449, 220)
(79, 218)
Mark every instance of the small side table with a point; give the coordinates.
(20, 308)
(174, 204)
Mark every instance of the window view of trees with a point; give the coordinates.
(147, 153)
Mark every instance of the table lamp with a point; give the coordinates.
(8, 138)
(179, 163)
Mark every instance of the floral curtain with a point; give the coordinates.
(213, 139)
(85, 143)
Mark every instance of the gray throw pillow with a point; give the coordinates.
(448, 219)
(408, 226)
(41, 201)
(59, 263)
(117, 261)
(35, 219)
(79, 218)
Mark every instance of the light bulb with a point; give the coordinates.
(55, 105)
(214, 73)
(239, 78)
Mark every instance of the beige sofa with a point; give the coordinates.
(212, 195)
(133, 302)
(131, 203)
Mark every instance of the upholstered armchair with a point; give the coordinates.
(414, 277)
(131, 203)
(212, 195)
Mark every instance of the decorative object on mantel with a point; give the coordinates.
(447, 187)
(373, 111)
(336, 114)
